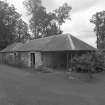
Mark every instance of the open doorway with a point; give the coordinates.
(32, 59)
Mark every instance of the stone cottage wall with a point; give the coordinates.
(23, 59)
(54, 60)
(38, 59)
(7, 58)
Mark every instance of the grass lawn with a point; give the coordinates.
(19, 87)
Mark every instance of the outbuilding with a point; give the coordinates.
(54, 51)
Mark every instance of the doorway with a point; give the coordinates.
(32, 59)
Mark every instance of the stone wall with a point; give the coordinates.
(54, 60)
(23, 59)
(7, 58)
(16, 59)
(38, 59)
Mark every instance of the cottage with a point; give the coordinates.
(55, 51)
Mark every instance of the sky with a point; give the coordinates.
(82, 11)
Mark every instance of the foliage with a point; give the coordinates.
(9, 19)
(63, 13)
(90, 62)
(98, 20)
(32, 6)
(21, 29)
(43, 23)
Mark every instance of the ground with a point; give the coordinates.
(20, 87)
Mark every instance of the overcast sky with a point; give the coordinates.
(82, 11)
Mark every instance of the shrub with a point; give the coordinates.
(90, 62)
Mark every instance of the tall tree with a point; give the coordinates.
(43, 23)
(9, 18)
(21, 31)
(63, 13)
(98, 20)
(33, 7)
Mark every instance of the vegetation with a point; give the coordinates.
(89, 63)
(98, 20)
(12, 27)
(62, 14)
(22, 31)
(43, 23)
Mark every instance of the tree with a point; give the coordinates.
(98, 20)
(21, 31)
(33, 7)
(9, 19)
(43, 23)
(63, 13)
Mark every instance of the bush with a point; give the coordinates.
(90, 62)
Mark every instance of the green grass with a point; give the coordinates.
(19, 87)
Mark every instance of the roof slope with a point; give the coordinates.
(81, 45)
(64, 42)
(11, 48)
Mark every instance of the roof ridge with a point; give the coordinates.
(71, 42)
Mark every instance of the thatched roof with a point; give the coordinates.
(64, 42)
